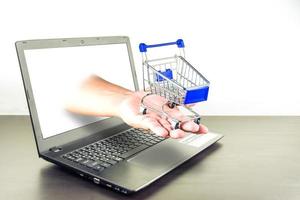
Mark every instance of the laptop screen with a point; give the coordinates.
(57, 72)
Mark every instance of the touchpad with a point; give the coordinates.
(161, 156)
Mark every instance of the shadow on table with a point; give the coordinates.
(58, 183)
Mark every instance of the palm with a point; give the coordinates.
(156, 121)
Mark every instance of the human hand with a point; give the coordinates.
(129, 111)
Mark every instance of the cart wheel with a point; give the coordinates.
(171, 104)
(175, 124)
(143, 110)
(197, 120)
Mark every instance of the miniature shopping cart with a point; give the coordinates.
(176, 80)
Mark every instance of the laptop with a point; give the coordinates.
(103, 150)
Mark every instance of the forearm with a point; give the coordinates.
(97, 103)
(96, 83)
(97, 97)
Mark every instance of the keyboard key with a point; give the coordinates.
(104, 159)
(92, 164)
(112, 162)
(133, 151)
(79, 160)
(86, 162)
(152, 141)
(98, 168)
(149, 143)
(105, 164)
(110, 151)
(118, 159)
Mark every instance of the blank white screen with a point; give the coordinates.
(56, 72)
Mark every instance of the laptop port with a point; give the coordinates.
(96, 180)
(124, 191)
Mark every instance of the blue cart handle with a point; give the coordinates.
(143, 47)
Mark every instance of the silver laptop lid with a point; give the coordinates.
(53, 68)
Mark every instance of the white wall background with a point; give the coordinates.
(249, 50)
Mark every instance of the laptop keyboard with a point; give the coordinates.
(109, 151)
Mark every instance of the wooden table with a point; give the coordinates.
(259, 158)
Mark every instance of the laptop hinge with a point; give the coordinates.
(55, 149)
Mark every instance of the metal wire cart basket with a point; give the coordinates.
(175, 79)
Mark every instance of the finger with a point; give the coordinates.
(190, 126)
(166, 124)
(155, 126)
(202, 129)
(163, 122)
(138, 119)
(177, 133)
(153, 114)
